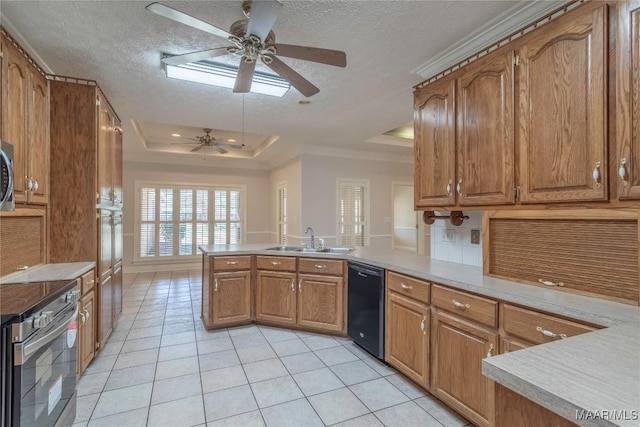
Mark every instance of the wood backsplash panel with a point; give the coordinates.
(591, 256)
(21, 242)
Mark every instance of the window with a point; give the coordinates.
(172, 221)
(353, 213)
(282, 214)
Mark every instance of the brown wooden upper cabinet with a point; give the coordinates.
(627, 160)
(562, 116)
(531, 119)
(25, 124)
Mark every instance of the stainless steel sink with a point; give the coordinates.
(312, 250)
(285, 248)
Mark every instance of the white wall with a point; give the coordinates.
(319, 177)
(290, 174)
(459, 248)
(258, 226)
(405, 220)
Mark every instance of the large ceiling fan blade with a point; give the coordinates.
(219, 149)
(183, 18)
(303, 85)
(195, 56)
(244, 77)
(262, 17)
(324, 56)
(230, 146)
(198, 148)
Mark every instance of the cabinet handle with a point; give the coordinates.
(550, 334)
(90, 282)
(489, 354)
(596, 175)
(35, 184)
(274, 263)
(622, 171)
(424, 319)
(459, 186)
(215, 287)
(23, 268)
(29, 183)
(232, 262)
(87, 314)
(320, 266)
(300, 285)
(449, 187)
(82, 318)
(550, 283)
(461, 306)
(406, 287)
(293, 285)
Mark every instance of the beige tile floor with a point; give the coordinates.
(160, 367)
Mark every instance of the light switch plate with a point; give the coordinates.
(475, 237)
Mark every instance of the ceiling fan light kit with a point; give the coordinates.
(206, 140)
(252, 39)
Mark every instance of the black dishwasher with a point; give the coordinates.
(365, 322)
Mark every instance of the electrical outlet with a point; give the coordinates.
(475, 237)
(447, 235)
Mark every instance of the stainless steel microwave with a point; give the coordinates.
(7, 202)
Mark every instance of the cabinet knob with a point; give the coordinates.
(406, 287)
(459, 186)
(320, 266)
(596, 175)
(550, 334)
(489, 353)
(460, 306)
(622, 172)
(449, 187)
(232, 262)
(275, 263)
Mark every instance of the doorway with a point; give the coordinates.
(409, 233)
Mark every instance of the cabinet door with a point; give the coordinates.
(321, 302)
(15, 94)
(105, 256)
(627, 163)
(117, 237)
(407, 337)
(117, 292)
(485, 135)
(87, 343)
(508, 345)
(117, 166)
(231, 298)
(105, 310)
(276, 297)
(38, 142)
(458, 349)
(106, 123)
(562, 109)
(435, 160)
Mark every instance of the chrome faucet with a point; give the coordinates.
(309, 229)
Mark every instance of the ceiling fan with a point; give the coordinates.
(252, 38)
(207, 140)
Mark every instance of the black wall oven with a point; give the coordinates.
(38, 351)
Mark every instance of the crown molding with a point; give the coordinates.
(511, 20)
(25, 45)
(356, 154)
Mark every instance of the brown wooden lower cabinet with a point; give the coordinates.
(512, 409)
(458, 347)
(105, 310)
(276, 297)
(320, 302)
(407, 337)
(86, 331)
(508, 345)
(231, 298)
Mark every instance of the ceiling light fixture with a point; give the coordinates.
(222, 75)
(177, 135)
(231, 140)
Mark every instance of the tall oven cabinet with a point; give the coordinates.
(86, 195)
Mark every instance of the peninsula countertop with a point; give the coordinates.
(591, 372)
(46, 272)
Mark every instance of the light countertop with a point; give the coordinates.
(47, 272)
(594, 372)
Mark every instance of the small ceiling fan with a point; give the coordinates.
(207, 140)
(252, 38)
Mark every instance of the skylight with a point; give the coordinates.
(223, 75)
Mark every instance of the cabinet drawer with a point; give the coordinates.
(405, 285)
(472, 307)
(321, 266)
(538, 328)
(276, 263)
(87, 282)
(222, 263)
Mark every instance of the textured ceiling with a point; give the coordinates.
(119, 44)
